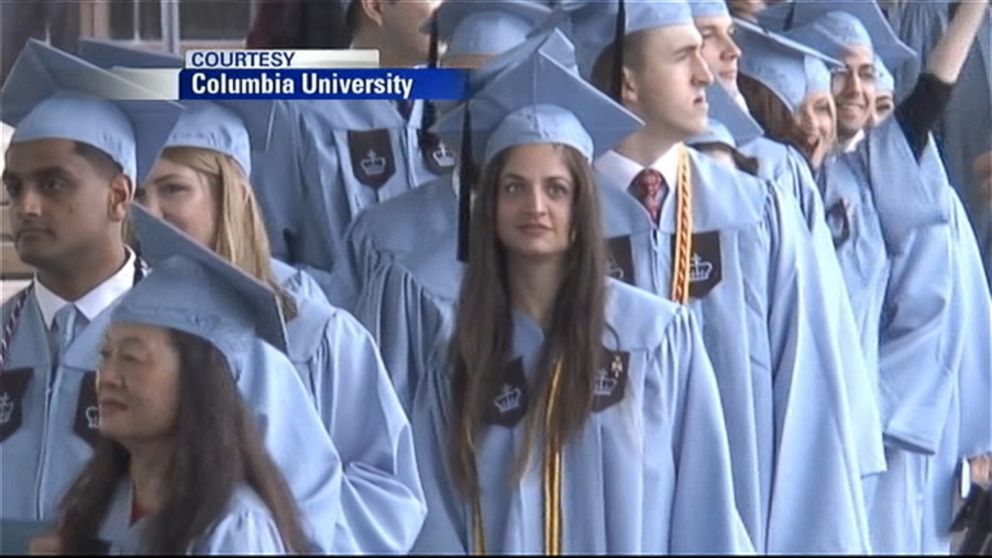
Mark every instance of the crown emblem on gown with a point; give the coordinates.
(443, 156)
(373, 164)
(700, 269)
(93, 417)
(508, 399)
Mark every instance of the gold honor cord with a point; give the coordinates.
(683, 230)
(552, 485)
(552, 473)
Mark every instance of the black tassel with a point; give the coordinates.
(790, 17)
(466, 174)
(427, 142)
(619, 34)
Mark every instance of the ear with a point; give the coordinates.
(372, 10)
(629, 90)
(121, 194)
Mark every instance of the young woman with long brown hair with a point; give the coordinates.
(562, 420)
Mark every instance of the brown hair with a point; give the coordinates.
(241, 236)
(604, 69)
(481, 345)
(215, 448)
(772, 114)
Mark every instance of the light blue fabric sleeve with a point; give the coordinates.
(704, 516)
(818, 451)
(295, 438)
(381, 497)
(246, 528)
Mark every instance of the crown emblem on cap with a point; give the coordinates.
(6, 408)
(508, 399)
(700, 269)
(604, 384)
(443, 156)
(93, 417)
(373, 164)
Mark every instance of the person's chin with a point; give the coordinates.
(36, 251)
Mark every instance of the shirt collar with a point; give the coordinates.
(852, 144)
(91, 303)
(623, 170)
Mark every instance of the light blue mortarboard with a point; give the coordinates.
(597, 24)
(193, 290)
(728, 124)
(831, 26)
(51, 94)
(790, 69)
(709, 8)
(234, 127)
(486, 27)
(539, 101)
(885, 80)
(549, 40)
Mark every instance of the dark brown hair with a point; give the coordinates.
(104, 164)
(216, 447)
(480, 348)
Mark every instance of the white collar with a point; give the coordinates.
(91, 303)
(622, 170)
(852, 144)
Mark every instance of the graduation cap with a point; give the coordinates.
(232, 127)
(597, 24)
(831, 27)
(790, 69)
(728, 124)
(885, 81)
(193, 290)
(547, 39)
(526, 105)
(51, 94)
(708, 8)
(486, 27)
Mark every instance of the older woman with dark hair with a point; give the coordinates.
(180, 466)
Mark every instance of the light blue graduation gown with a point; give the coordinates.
(54, 419)
(934, 361)
(912, 508)
(382, 501)
(785, 167)
(329, 160)
(962, 133)
(298, 282)
(44, 455)
(780, 347)
(246, 527)
(649, 472)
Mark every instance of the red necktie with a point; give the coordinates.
(649, 187)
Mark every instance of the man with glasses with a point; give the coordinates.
(933, 380)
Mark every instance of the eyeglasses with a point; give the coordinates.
(839, 78)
